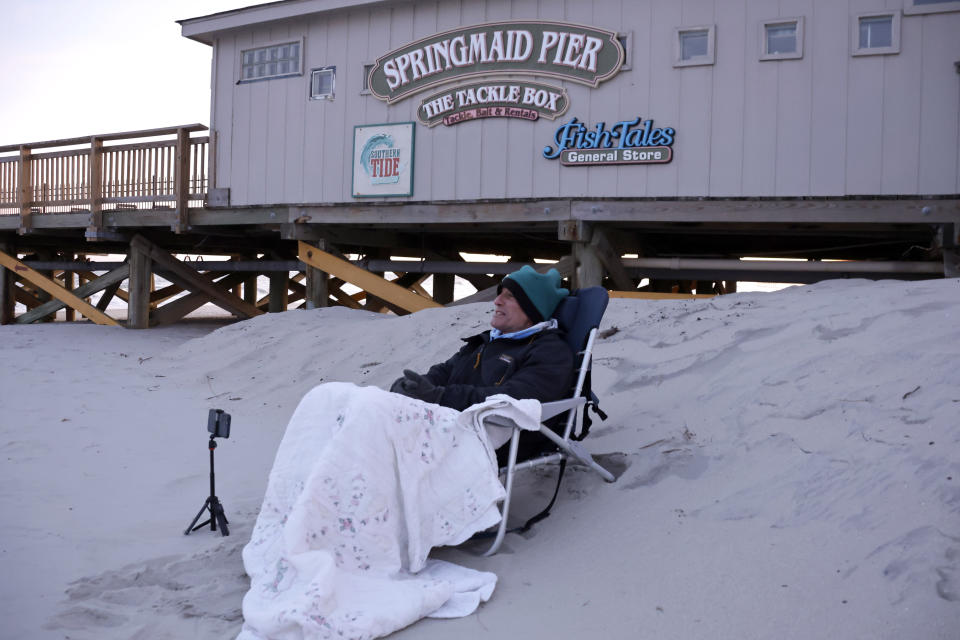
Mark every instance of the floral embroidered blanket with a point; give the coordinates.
(364, 484)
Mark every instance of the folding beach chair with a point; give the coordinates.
(579, 315)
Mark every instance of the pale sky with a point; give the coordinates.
(76, 68)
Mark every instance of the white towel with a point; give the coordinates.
(524, 413)
(364, 484)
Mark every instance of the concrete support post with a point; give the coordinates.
(138, 289)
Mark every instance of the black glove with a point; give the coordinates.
(414, 385)
(397, 386)
(406, 385)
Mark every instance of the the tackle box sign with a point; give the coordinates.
(484, 54)
(524, 100)
(383, 160)
(635, 141)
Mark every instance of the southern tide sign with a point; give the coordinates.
(383, 160)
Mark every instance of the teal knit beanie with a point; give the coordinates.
(538, 294)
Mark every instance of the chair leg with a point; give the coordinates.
(511, 466)
(575, 450)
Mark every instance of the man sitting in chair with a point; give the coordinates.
(523, 356)
(366, 482)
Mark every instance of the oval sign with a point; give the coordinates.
(587, 55)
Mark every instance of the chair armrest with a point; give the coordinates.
(551, 409)
(547, 411)
(500, 421)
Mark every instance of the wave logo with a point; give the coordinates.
(381, 160)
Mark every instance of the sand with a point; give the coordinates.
(788, 468)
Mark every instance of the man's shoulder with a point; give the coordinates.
(553, 335)
(548, 337)
(558, 337)
(474, 342)
(477, 338)
(556, 332)
(553, 341)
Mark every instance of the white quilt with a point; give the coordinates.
(364, 484)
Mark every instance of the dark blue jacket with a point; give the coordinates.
(539, 367)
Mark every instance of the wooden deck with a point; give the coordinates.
(146, 195)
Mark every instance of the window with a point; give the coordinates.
(876, 31)
(322, 82)
(275, 61)
(876, 34)
(626, 41)
(781, 39)
(365, 84)
(694, 46)
(930, 6)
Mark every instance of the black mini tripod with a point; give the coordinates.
(217, 516)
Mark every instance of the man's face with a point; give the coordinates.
(507, 314)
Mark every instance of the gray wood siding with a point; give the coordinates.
(829, 55)
(828, 124)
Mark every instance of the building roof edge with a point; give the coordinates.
(202, 28)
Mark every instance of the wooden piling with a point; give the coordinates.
(95, 187)
(138, 287)
(7, 293)
(279, 291)
(443, 287)
(25, 192)
(318, 287)
(182, 181)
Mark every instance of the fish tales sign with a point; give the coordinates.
(577, 53)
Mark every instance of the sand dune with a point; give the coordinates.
(788, 468)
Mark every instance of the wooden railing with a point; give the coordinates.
(103, 173)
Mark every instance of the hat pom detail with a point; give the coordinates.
(537, 293)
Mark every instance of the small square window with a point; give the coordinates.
(930, 6)
(694, 46)
(365, 84)
(781, 39)
(322, 83)
(626, 41)
(876, 34)
(876, 31)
